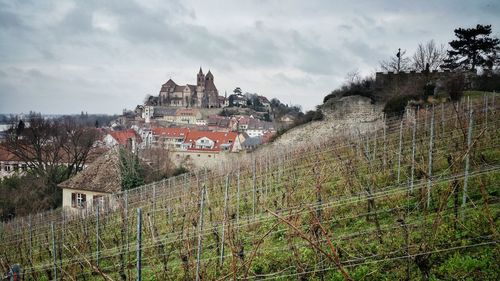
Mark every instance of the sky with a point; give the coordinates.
(63, 56)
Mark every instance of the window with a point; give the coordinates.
(78, 200)
(100, 200)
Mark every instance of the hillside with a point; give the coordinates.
(347, 116)
(416, 200)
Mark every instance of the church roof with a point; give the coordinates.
(169, 83)
(209, 75)
(210, 86)
(179, 88)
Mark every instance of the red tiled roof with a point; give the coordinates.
(122, 136)
(6, 155)
(170, 132)
(267, 136)
(218, 138)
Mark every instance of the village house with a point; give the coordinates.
(171, 138)
(243, 122)
(212, 141)
(92, 187)
(181, 116)
(265, 102)
(238, 100)
(128, 138)
(257, 127)
(146, 135)
(10, 164)
(201, 122)
(254, 127)
(187, 116)
(221, 123)
(287, 118)
(204, 148)
(252, 143)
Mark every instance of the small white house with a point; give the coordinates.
(93, 186)
(147, 113)
(204, 143)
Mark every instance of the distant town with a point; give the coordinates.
(195, 123)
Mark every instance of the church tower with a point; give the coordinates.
(200, 81)
(211, 93)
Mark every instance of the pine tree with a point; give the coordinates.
(473, 48)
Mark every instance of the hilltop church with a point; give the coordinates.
(202, 95)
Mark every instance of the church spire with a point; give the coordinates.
(200, 80)
(209, 76)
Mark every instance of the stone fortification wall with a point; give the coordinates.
(355, 109)
(389, 84)
(346, 116)
(388, 80)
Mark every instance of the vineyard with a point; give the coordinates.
(418, 199)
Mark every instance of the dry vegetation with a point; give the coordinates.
(388, 205)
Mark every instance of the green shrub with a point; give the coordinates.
(180, 170)
(396, 105)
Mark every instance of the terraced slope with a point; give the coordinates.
(416, 200)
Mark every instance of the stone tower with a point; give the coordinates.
(200, 81)
(210, 94)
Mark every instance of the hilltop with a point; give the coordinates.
(350, 115)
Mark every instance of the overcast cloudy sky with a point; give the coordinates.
(103, 56)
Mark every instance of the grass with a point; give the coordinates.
(378, 226)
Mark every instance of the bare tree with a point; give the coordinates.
(53, 150)
(159, 163)
(79, 144)
(428, 56)
(353, 77)
(397, 63)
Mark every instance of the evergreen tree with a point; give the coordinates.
(130, 170)
(474, 47)
(20, 127)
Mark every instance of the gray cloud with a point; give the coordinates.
(102, 56)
